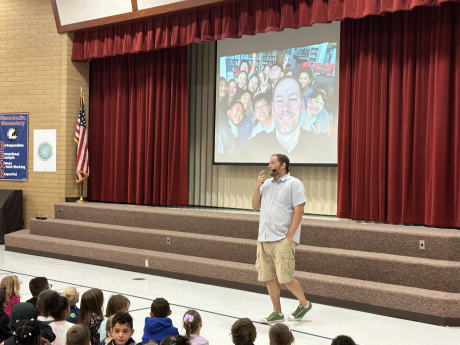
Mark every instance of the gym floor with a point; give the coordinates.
(221, 307)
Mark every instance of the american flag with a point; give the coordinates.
(81, 138)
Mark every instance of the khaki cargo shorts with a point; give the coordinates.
(275, 260)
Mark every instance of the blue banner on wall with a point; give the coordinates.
(14, 137)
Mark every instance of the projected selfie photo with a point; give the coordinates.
(277, 101)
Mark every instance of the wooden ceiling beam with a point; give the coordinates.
(136, 14)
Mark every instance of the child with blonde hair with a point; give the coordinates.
(280, 334)
(12, 285)
(72, 296)
(108, 327)
(192, 325)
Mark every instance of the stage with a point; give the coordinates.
(370, 267)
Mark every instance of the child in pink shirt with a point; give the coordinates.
(12, 285)
(192, 325)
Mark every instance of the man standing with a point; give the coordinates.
(281, 201)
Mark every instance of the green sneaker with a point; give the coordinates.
(273, 317)
(300, 312)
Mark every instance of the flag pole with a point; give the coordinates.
(82, 199)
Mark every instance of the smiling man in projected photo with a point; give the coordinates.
(288, 136)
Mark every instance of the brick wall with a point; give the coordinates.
(38, 77)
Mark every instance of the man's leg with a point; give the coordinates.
(285, 272)
(274, 290)
(296, 289)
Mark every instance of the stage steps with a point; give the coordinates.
(372, 267)
(410, 299)
(440, 244)
(384, 268)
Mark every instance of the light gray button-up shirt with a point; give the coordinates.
(277, 207)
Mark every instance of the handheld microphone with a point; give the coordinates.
(274, 170)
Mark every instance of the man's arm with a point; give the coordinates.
(256, 195)
(298, 212)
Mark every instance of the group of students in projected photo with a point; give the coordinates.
(273, 107)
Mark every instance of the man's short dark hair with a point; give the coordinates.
(78, 335)
(282, 159)
(288, 77)
(160, 307)
(343, 340)
(122, 318)
(263, 96)
(37, 285)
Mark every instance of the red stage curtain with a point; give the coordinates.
(232, 20)
(399, 124)
(138, 133)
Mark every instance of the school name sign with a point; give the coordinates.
(13, 146)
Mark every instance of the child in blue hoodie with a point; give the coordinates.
(158, 325)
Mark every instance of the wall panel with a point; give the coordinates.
(231, 186)
(38, 77)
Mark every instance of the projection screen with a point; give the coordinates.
(277, 92)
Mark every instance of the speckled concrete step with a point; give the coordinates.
(407, 302)
(429, 274)
(440, 244)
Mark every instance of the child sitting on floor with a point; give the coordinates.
(42, 306)
(78, 335)
(12, 285)
(27, 311)
(343, 340)
(91, 313)
(280, 334)
(243, 332)
(108, 327)
(192, 325)
(175, 340)
(158, 325)
(59, 309)
(5, 331)
(28, 333)
(37, 285)
(73, 296)
(122, 329)
(115, 304)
